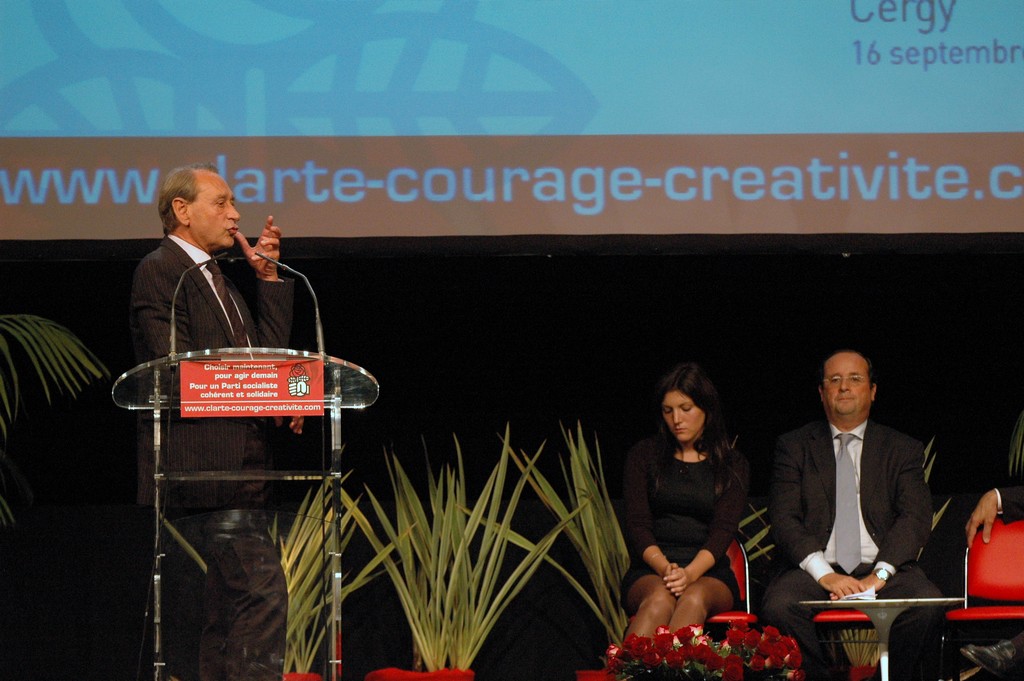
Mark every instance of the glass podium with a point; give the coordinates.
(181, 545)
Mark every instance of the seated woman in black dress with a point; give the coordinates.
(685, 490)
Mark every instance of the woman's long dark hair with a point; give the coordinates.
(689, 378)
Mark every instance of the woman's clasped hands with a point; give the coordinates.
(676, 579)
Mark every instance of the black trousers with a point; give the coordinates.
(245, 605)
(245, 596)
(914, 638)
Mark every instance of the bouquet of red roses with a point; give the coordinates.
(691, 655)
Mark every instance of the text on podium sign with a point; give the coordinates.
(246, 388)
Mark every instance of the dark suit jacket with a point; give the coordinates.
(197, 443)
(1013, 503)
(895, 500)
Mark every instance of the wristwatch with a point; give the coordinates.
(883, 574)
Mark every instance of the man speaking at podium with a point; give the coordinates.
(245, 608)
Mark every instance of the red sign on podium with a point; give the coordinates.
(246, 387)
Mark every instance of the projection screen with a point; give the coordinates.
(517, 117)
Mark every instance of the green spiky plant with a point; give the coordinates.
(451, 566)
(61, 362)
(592, 526)
(753, 536)
(930, 456)
(303, 558)
(1015, 460)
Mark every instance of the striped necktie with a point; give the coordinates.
(238, 334)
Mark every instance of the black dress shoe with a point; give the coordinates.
(997, 659)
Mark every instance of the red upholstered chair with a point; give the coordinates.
(993, 592)
(738, 559)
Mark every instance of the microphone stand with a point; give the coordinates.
(312, 294)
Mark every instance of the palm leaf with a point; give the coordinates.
(11, 475)
(58, 358)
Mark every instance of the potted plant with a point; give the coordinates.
(62, 364)
(592, 526)
(448, 561)
(304, 555)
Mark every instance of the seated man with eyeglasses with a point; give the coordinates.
(850, 511)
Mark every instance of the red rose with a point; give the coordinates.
(797, 675)
(676, 659)
(690, 631)
(651, 658)
(752, 639)
(710, 658)
(733, 670)
(636, 645)
(735, 637)
(771, 632)
(664, 641)
(703, 652)
(756, 663)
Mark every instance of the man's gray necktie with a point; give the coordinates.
(847, 510)
(241, 340)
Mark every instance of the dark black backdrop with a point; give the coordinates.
(463, 344)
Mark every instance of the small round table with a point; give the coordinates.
(882, 612)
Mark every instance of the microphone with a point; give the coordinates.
(174, 298)
(312, 294)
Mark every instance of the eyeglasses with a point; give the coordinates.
(837, 380)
